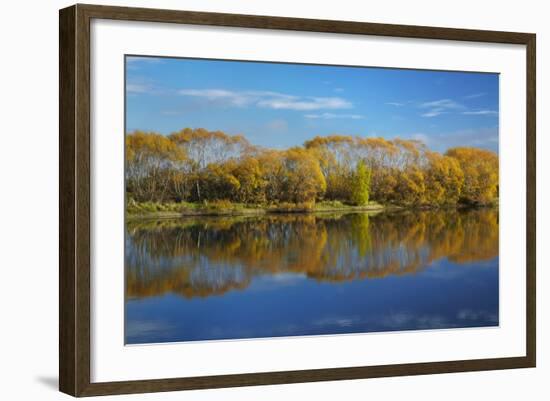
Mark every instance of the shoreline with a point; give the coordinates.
(262, 211)
(256, 212)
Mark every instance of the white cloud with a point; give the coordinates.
(442, 103)
(233, 98)
(481, 137)
(137, 62)
(396, 104)
(438, 107)
(421, 137)
(475, 95)
(268, 99)
(329, 116)
(136, 84)
(481, 113)
(434, 112)
(151, 60)
(138, 88)
(312, 103)
(485, 141)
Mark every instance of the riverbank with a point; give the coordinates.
(154, 210)
(170, 210)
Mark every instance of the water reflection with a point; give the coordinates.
(178, 269)
(209, 256)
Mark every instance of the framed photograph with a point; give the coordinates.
(250, 200)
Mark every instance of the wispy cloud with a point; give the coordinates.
(150, 60)
(438, 107)
(434, 112)
(443, 103)
(421, 137)
(481, 137)
(138, 88)
(485, 141)
(329, 116)
(268, 99)
(233, 98)
(137, 84)
(311, 103)
(137, 62)
(481, 113)
(475, 95)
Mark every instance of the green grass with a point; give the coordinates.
(334, 204)
(288, 207)
(155, 207)
(226, 207)
(187, 208)
(338, 205)
(222, 205)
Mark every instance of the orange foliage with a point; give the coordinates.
(200, 165)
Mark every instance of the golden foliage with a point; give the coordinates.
(196, 165)
(480, 168)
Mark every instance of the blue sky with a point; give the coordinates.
(282, 105)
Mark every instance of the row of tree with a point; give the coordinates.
(197, 165)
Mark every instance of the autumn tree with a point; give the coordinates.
(150, 160)
(198, 165)
(207, 148)
(272, 167)
(210, 147)
(336, 157)
(444, 180)
(360, 184)
(248, 171)
(218, 182)
(410, 187)
(390, 162)
(303, 180)
(480, 169)
(236, 180)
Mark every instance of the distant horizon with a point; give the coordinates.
(279, 105)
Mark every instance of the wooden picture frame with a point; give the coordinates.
(74, 203)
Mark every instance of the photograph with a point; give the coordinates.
(269, 199)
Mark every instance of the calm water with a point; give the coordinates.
(287, 275)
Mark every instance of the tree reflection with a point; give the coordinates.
(212, 255)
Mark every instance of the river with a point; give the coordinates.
(213, 278)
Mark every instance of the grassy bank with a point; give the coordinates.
(140, 210)
(137, 210)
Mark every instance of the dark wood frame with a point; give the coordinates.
(74, 199)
